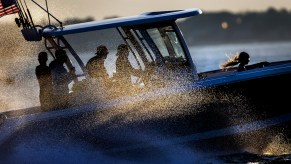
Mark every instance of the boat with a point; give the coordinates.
(219, 111)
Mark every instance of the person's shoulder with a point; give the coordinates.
(42, 70)
(93, 59)
(52, 63)
(240, 69)
(41, 67)
(37, 68)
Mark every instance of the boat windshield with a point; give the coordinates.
(168, 43)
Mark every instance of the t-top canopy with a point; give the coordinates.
(146, 18)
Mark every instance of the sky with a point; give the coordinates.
(99, 9)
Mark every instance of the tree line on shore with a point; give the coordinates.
(226, 27)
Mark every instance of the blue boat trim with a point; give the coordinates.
(245, 75)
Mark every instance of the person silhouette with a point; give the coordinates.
(242, 60)
(98, 83)
(43, 74)
(96, 68)
(60, 78)
(124, 70)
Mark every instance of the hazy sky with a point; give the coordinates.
(104, 8)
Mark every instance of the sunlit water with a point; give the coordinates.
(205, 57)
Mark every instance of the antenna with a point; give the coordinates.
(23, 16)
(47, 12)
(29, 14)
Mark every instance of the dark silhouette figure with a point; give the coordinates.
(124, 69)
(43, 74)
(96, 68)
(242, 59)
(60, 78)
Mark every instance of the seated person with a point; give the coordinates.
(242, 59)
(124, 69)
(96, 68)
(99, 83)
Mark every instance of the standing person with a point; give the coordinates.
(43, 74)
(61, 78)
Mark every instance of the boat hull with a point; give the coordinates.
(244, 116)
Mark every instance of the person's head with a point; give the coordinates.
(102, 51)
(42, 57)
(61, 55)
(122, 48)
(244, 58)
